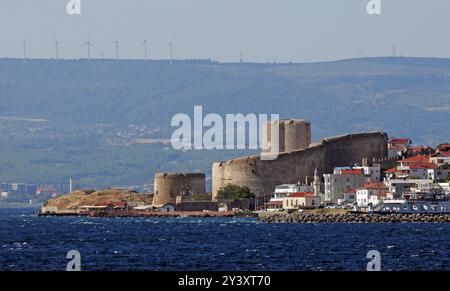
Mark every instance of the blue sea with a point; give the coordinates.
(28, 242)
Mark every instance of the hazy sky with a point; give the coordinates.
(264, 30)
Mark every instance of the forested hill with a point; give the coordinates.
(403, 96)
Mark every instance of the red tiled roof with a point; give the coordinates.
(417, 149)
(444, 146)
(351, 172)
(350, 191)
(416, 159)
(301, 194)
(442, 154)
(423, 166)
(392, 170)
(375, 185)
(401, 141)
(397, 147)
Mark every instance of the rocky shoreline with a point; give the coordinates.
(150, 214)
(306, 217)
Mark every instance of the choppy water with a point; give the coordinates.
(41, 243)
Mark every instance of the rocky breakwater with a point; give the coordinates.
(349, 217)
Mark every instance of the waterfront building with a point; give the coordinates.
(342, 180)
(371, 194)
(301, 200)
(425, 198)
(349, 196)
(399, 186)
(283, 191)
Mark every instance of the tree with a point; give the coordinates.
(234, 192)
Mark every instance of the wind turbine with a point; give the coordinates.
(116, 42)
(56, 50)
(171, 44)
(89, 45)
(24, 43)
(145, 49)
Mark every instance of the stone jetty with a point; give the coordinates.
(351, 217)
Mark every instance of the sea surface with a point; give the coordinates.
(28, 242)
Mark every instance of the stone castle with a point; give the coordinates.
(298, 159)
(170, 186)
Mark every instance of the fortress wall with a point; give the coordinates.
(170, 185)
(262, 176)
(351, 149)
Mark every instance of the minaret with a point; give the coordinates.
(316, 183)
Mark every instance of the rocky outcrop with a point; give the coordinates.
(75, 200)
(307, 217)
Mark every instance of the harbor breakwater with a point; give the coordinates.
(149, 214)
(352, 217)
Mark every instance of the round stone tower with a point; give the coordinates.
(168, 186)
(293, 134)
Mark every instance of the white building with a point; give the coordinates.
(342, 180)
(441, 158)
(299, 200)
(372, 172)
(371, 194)
(399, 186)
(397, 147)
(421, 171)
(283, 191)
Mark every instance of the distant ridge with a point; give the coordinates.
(404, 96)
